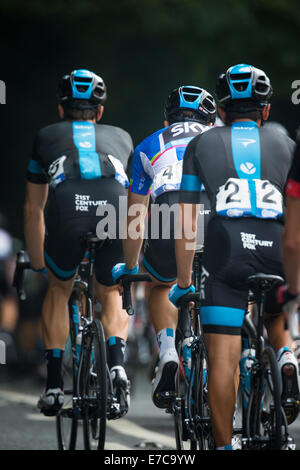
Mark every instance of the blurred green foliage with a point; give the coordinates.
(143, 49)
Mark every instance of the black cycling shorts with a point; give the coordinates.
(70, 214)
(234, 250)
(159, 253)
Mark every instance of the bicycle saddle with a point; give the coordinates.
(263, 282)
(91, 237)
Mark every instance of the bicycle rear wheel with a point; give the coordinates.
(67, 418)
(265, 420)
(178, 410)
(94, 388)
(199, 408)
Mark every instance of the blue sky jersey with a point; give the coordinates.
(158, 159)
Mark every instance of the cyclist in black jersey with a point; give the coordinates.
(76, 169)
(156, 175)
(291, 236)
(244, 168)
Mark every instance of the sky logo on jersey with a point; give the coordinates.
(247, 142)
(85, 145)
(248, 168)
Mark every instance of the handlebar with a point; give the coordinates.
(187, 298)
(22, 264)
(126, 282)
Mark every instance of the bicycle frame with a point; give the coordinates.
(260, 284)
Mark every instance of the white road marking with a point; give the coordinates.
(122, 426)
(39, 417)
(128, 428)
(17, 397)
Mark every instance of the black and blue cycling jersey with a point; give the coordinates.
(243, 167)
(84, 164)
(79, 150)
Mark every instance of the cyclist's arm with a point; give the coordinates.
(138, 200)
(132, 244)
(185, 244)
(36, 197)
(291, 244)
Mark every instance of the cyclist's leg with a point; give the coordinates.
(224, 299)
(114, 318)
(62, 252)
(282, 342)
(161, 312)
(55, 313)
(224, 354)
(55, 330)
(160, 262)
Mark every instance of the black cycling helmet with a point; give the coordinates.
(81, 89)
(190, 98)
(244, 82)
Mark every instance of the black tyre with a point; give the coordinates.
(265, 424)
(179, 405)
(67, 418)
(94, 388)
(198, 400)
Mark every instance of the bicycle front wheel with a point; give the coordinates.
(265, 421)
(199, 408)
(94, 388)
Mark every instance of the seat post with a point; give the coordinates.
(92, 251)
(260, 325)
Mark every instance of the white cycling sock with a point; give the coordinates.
(281, 350)
(166, 340)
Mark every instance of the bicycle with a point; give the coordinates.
(89, 392)
(87, 384)
(88, 387)
(263, 421)
(189, 407)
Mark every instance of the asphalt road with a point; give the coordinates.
(23, 427)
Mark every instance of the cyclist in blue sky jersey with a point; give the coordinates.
(244, 168)
(156, 176)
(76, 166)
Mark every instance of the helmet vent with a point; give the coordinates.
(190, 98)
(261, 87)
(240, 76)
(190, 94)
(82, 88)
(240, 86)
(82, 79)
(208, 105)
